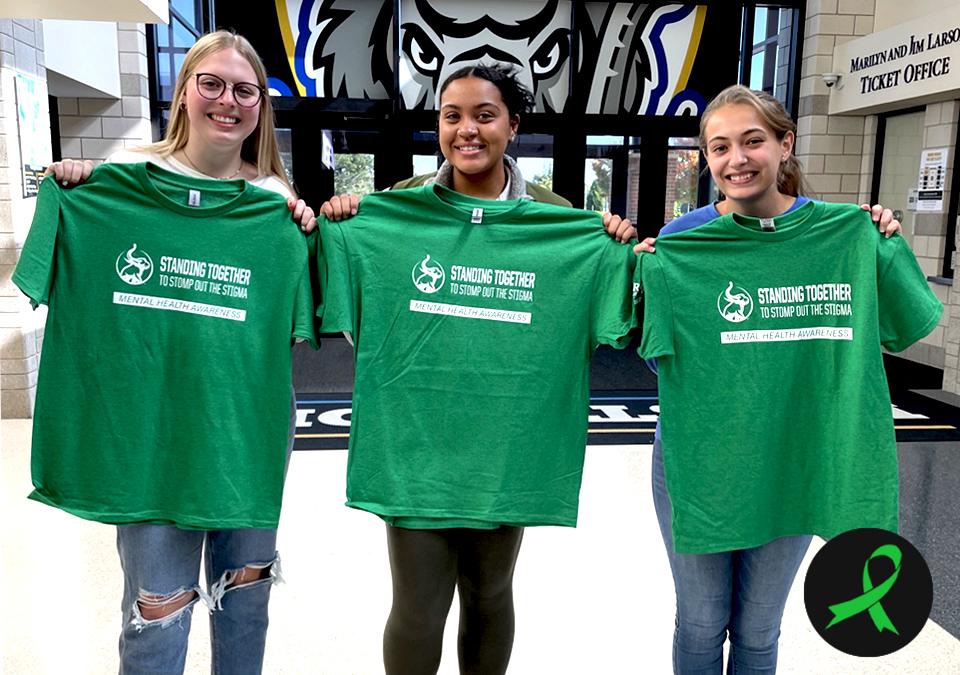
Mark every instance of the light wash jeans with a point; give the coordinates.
(163, 560)
(741, 593)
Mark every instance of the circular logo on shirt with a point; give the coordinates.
(735, 304)
(868, 592)
(428, 275)
(134, 267)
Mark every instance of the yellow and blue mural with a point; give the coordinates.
(603, 58)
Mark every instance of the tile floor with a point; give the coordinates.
(595, 600)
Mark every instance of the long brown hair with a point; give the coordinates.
(790, 180)
(260, 147)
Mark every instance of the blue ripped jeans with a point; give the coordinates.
(737, 593)
(163, 561)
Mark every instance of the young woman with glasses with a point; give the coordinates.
(221, 126)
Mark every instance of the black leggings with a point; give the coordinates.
(426, 565)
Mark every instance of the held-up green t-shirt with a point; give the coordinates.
(164, 384)
(775, 414)
(473, 324)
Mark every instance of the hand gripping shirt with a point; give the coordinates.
(775, 413)
(473, 324)
(164, 384)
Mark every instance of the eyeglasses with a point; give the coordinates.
(211, 87)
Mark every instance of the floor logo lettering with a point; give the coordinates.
(868, 592)
(428, 277)
(134, 268)
(735, 304)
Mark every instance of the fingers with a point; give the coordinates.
(645, 246)
(619, 228)
(302, 214)
(73, 171)
(887, 224)
(339, 207)
(890, 228)
(69, 172)
(307, 220)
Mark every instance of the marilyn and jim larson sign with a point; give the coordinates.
(912, 63)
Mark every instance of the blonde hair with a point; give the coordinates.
(790, 180)
(260, 147)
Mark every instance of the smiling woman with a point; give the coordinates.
(222, 127)
(735, 586)
(469, 543)
(222, 110)
(475, 127)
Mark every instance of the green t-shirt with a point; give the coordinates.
(775, 413)
(164, 384)
(473, 324)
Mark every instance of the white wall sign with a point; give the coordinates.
(933, 173)
(912, 63)
(34, 155)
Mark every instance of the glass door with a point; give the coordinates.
(900, 168)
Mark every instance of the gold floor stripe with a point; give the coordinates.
(621, 431)
(646, 431)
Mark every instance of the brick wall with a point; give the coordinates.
(90, 129)
(671, 187)
(21, 51)
(942, 347)
(830, 148)
(94, 128)
(838, 151)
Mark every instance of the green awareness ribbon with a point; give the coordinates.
(870, 600)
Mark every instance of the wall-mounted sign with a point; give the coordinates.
(933, 173)
(33, 131)
(910, 64)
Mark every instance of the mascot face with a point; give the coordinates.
(339, 48)
(634, 57)
(534, 36)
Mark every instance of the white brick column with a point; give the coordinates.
(929, 240)
(89, 129)
(831, 149)
(94, 128)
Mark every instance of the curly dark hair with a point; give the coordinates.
(518, 99)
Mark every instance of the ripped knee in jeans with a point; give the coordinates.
(163, 609)
(250, 575)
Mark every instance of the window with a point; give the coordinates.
(767, 47)
(353, 174)
(683, 171)
(598, 171)
(168, 45)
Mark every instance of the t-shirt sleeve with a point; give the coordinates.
(35, 271)
(653, 296)
(612, 316)
(336, 304)
(907, 308)
(304, 310)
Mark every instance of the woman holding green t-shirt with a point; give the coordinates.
(747, 138)
(480, 109)
(221, 126)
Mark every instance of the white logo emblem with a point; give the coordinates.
(428, 277)
(134, 268)
(735, 304)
